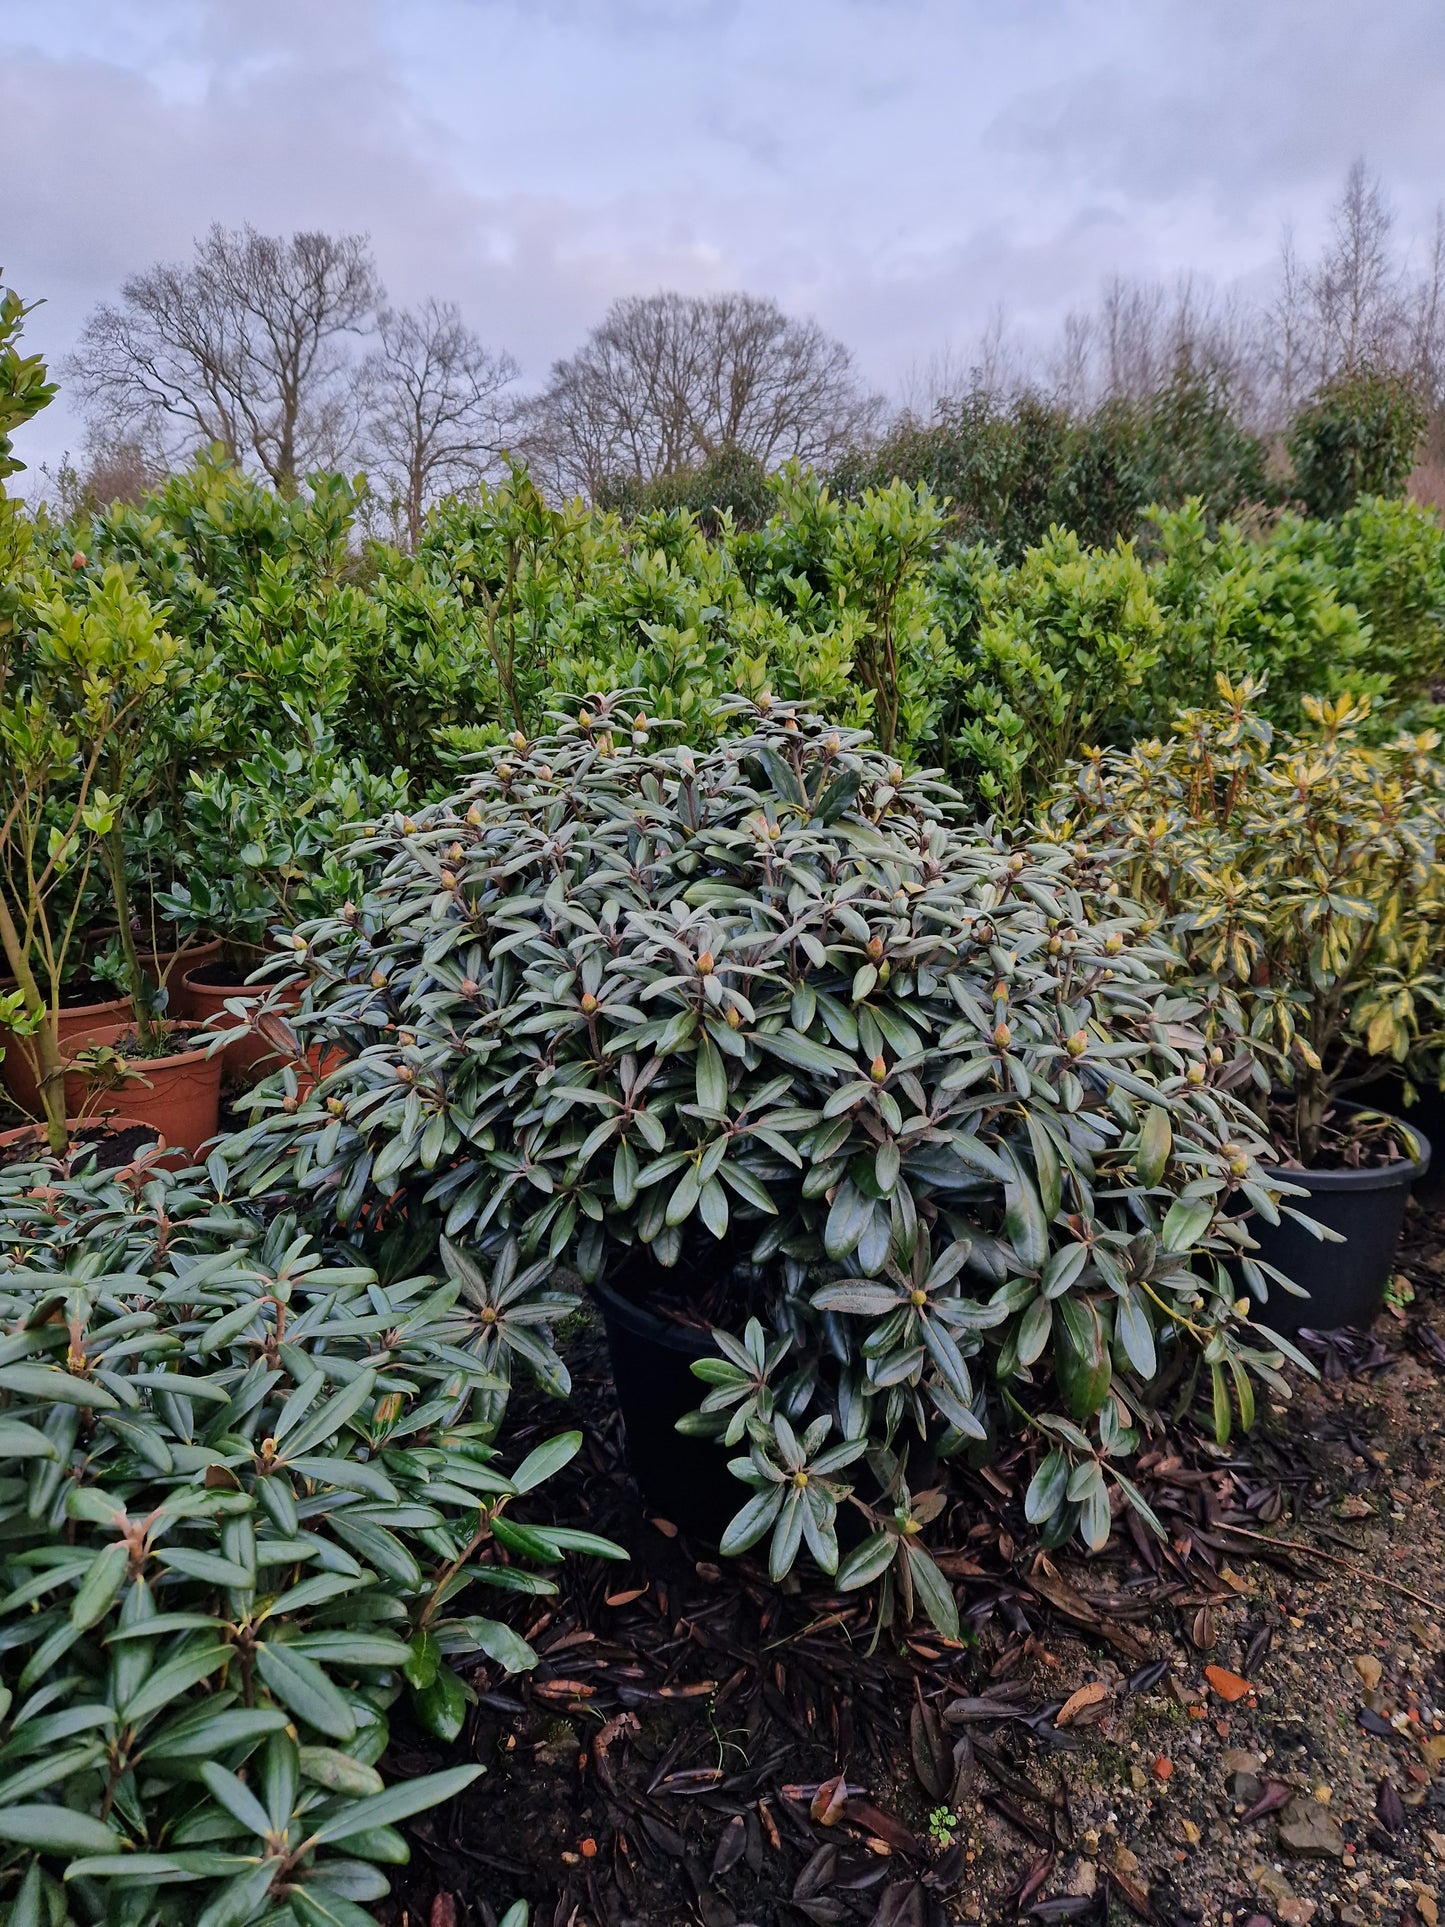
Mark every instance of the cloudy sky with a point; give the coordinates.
(898, 168)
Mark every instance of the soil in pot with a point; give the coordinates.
(1365, 1202)
(178, 1093)
(207, 989)
(96, 1144)
(83, 1006)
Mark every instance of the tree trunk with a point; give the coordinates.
(52, 1064)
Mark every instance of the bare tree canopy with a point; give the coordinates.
(437, 415)
(670, 380)
(245, 345)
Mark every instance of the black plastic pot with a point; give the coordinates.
(1346, 1282)
(685, 1479)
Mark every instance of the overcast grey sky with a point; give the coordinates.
(897, 168)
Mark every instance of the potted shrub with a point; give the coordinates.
(872, 1112)
(76, 679)
(268, 849)
(1302, 879)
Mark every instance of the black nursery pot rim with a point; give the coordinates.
(1375, 1177)
(691, 1340)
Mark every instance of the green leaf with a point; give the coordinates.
(1186, 1222)
(102, 1583)
(1024, 1219)
(1135, 1333)
(1046, 1488)
(868, 1561)
(49, 1829)
(750, 1525)
(300, 1684)
(396, 1804)
(932, 1589)
(1156, 1141)
(441, 1706)
(236, 1797)
(544, 1461)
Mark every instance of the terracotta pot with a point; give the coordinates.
(250, 1058)
(171, 968)
(20, 1068)
(181, 1094)
(112, 1126)
(321, 1063)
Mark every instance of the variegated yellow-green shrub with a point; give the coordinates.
(1303, 876)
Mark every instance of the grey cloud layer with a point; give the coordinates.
(897, 167)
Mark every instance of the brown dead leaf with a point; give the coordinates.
(1088, 1695)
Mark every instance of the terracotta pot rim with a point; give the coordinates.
(112, 1033)
(248, 986)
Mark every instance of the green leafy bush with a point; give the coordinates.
(1302, 878)
(781, 1005)
(266, 841)
(248, 1486)
(1358, 435)
(1056, 654)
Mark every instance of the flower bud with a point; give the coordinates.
(290, 1104)
(504, 772)
(335, 1106)
(455, 853)
(734, 1018)
(1002, 1036)
(1078, 1043)
(878, 1070)
(1015, 863)
(791, 725)
(833, 743)
(405, 1074)
(705, 964)
(875, 948)
(519, 741)
(885, 971)
(1195, 1074)
(584, 721)
(408, 826)
(765, 701)
(895, 776)
(544, 772)
(378, 979)
(1056, 944)
(78, 560)
(474, 816)
(469, 986)
(449, 880)
(639, 721)
(1216, 1055)
(589, 1002)
(1113, 944)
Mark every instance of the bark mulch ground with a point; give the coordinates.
(1243, 1725)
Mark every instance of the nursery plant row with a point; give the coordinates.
(919, 1003)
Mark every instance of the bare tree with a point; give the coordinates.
(669, 380)
(1355, 289)
(247, 345)
(436, 414)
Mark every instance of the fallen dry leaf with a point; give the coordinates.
(1088, 1695)
(1369, 1670)
(1229, 1686)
